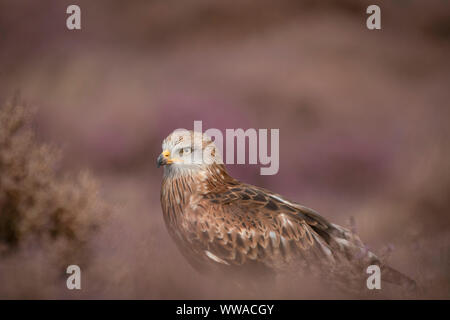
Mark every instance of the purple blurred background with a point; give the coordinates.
(363, 118)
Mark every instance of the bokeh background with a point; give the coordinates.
(363, 118)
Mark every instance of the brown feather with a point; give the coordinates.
(218, 221)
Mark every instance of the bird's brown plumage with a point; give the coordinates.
(221, 223)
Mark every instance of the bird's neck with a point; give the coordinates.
(199, 181)
(179, 190)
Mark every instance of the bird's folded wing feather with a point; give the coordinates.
(248, 223)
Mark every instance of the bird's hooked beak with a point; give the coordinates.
(164, 159)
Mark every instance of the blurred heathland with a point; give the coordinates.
(363, 118)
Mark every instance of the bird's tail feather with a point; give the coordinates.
(391, 275)
(350, 242)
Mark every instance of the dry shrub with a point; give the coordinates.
(39, 209)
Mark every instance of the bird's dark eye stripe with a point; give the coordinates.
(191, 149)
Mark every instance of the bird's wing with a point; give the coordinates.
(243, 222)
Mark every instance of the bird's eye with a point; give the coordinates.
(185, 151)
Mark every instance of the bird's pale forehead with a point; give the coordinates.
(182, 137)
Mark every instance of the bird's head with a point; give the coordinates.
(186, 151)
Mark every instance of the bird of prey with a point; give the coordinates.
(220, 223)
